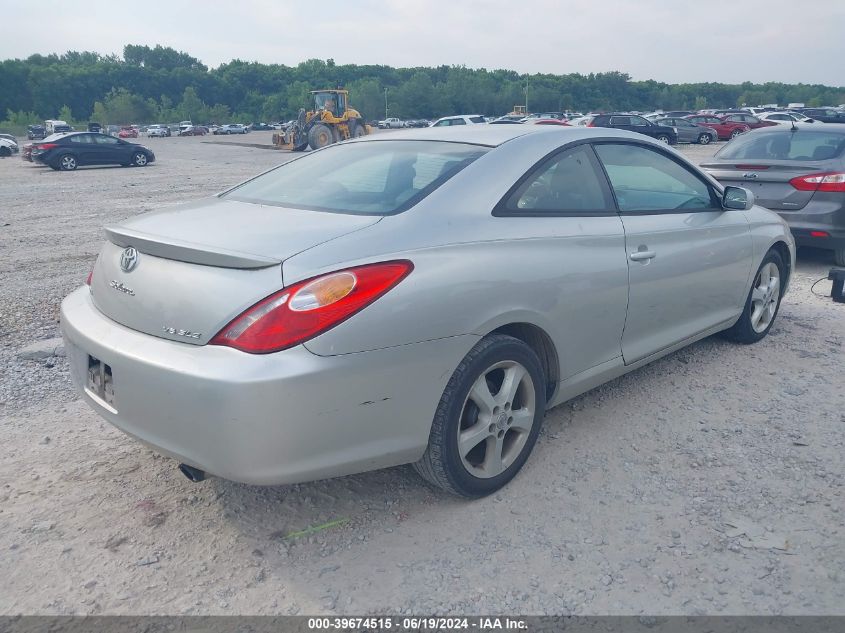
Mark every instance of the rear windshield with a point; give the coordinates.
(365, 178)
(802, 144)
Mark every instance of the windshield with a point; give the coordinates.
(364, 178)
(799, 145)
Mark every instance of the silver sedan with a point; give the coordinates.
(419, 299)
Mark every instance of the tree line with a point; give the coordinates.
(158, 83)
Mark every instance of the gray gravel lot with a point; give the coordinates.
(708, 482)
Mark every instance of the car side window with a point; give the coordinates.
(620, 120)
(646, 180)
(570, 182)
(458, 122)
(638, 120)
(443, 123)
(106, 140)
(83, 139)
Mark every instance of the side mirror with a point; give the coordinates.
(737, 198)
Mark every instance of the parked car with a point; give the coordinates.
(547, 122)
(725, 129)
(544, 115)
(231, 128)
(492, 268)
(461, 119)
(66, 152)
(261, 126)
(635, 123)
(10, 137)
(8, 147)
(35, 132)
(785, 118)
(799, 173)
(95, 127)
(127, 132)
(825, 115)
(55, 126)
(748, 119)
(197, 130)
(580, 121)
(158, 130)
(689, 132)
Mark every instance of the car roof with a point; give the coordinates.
(495, 135)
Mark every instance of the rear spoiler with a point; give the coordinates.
(161, 246)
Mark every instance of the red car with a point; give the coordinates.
(194, 130)
(127, 132)
(549, 122)
(748, 119)
(725, 129)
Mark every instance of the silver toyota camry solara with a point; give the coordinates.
(420, 297)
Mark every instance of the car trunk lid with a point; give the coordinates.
(184, 273)
(768, 180)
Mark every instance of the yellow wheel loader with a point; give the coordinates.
(330, 121)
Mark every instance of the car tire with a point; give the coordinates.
(495, 443)
(735, 132)
(68, 162)
(704, 139)
(5, 152)
(839, 256)
(763, 302)
(664, 138)
(139, 159)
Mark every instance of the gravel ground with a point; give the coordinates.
(708, 482)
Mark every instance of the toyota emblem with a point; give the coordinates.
(128, 259)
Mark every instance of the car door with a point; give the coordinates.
(576, 260)
(622, 122)
(83, 148)
(687, 132)
(688, 259)
(110, 150)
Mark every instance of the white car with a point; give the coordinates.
(392, 122)
(231, 128)
(785, 118)
(7, 147)
(157, 130)
(460, 119)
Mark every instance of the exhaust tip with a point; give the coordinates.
(194, 474)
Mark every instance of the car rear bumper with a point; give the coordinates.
(277, 418)
(821, 223)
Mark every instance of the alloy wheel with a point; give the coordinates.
(496, 419)
(68, 163)
(764, 297)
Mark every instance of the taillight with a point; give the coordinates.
(819, 234)
(299, 313)
(827, 181)
(47, 146)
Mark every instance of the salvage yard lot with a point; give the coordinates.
(710, 481)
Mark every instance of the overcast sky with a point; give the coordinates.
(674, 41)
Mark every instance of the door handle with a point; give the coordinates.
(640, 256)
